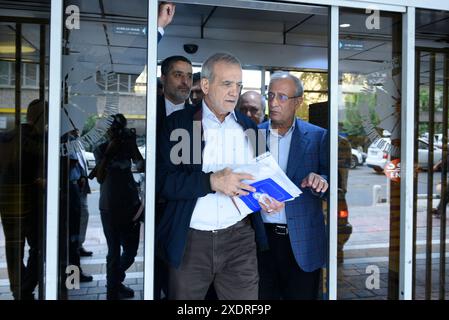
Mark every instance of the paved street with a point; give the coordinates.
(368, 244)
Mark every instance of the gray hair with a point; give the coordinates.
(207, 70)
(299, 91)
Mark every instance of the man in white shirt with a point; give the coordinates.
(202, 235)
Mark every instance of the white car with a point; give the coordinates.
(423, 153)
(90, 160)
(377, 158)
(357, 158)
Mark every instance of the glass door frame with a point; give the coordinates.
(54, 128)
(407, 147)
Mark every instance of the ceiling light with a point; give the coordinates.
(11, 49)
(345, 25)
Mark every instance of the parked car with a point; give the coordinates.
(377, 159)
(423, 154)
(357, 158)
(90, 160)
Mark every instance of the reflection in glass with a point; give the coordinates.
(369, 150)
(100, 63)
(23, 127)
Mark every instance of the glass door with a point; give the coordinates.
(369, 128)
(104, 53)
(23, 148)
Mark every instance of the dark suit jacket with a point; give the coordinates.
(182, 184)
(309, 152)
(161, 116)
(161, 112)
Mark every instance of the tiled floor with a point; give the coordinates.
(367, 246)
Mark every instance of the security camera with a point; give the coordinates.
(191, 48)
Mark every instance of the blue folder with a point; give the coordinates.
(269, 187)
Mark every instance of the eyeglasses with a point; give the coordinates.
(270, 96)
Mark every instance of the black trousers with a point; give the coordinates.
(74, 216)
(119, 235)
(20, 212)
(280, 275)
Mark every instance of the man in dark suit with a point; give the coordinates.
(202, 235)
(290, 269)
(176, 78)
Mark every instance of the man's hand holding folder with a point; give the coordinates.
(230, 183)
(271, 184)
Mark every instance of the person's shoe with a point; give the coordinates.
(436, 213)
(85, 277)
(84, 253)
(125, 292)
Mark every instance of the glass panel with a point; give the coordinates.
(258, 47)
(430, 272)
(23, 150)
(369, 149)
(4, 73)
(123, 82)
(101, 241)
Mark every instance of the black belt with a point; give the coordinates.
(245, 221)
(279, 229)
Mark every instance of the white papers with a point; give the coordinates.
(270, 178)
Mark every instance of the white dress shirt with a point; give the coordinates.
(279, 146)
(226, 145)
(170, 107)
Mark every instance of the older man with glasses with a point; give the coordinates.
(290, 269)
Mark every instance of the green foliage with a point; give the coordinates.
(90, 123)
(353, 123)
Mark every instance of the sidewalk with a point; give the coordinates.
(368, 245)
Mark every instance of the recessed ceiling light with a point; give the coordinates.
(6, 48)
(345, 25)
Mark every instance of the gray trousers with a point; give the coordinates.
(227, 258)
(84, 218)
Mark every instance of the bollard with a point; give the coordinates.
(376, 194)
